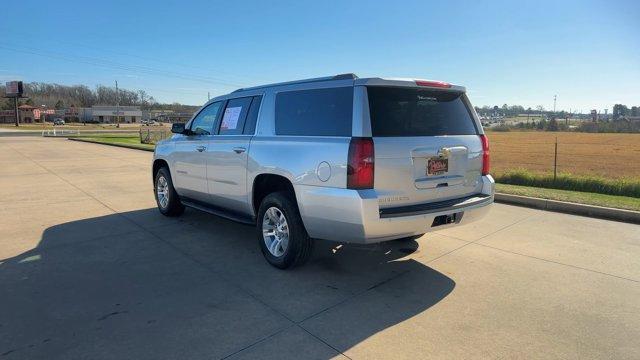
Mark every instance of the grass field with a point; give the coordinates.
(128, 140)
(620, 202)
(604, 155)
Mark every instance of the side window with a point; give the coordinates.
(202, 124)
(252, 118)
(234, 116)
(317, 112)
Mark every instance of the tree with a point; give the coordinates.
(59, 105)
(619, 110)
(542, 124)
(552, 125)
(7, 104)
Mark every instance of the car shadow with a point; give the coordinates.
(139, 285)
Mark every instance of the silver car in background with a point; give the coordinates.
(355, 160)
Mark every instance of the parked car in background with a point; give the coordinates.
(338, 158)
(149, 122)
(58, 121)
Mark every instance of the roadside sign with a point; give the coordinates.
(14, 89)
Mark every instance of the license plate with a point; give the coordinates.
(437, 166)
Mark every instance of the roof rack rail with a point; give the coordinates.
(348, 76)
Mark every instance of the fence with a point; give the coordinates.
(604, 155)
(61, 132)
(77, 132)
(153, 136)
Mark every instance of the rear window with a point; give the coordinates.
(317, 112)
(418, 112)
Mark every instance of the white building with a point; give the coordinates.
(108, 114)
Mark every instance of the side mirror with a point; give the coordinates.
(178, 128)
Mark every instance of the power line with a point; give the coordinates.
(23, 34)
(120, 66)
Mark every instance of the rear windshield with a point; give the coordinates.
(418, 112)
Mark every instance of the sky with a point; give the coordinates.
(514, 52)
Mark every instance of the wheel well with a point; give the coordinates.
(265, 184)
(157, 165)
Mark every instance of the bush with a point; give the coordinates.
(618, 126)
(564, 181)
(501, 128)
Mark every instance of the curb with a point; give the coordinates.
(110, 144)
(600, 212)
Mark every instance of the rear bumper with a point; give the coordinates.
(354, 216)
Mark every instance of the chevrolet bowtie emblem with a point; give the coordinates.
(444, 152)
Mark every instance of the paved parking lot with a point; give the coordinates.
(89, 269)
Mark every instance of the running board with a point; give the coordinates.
(218, 211)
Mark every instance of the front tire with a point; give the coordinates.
(166, 196)
(281, 234)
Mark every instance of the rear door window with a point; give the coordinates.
(401, 112)
(234, 116)
(317, 112)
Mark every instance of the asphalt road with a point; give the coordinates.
(90, 270)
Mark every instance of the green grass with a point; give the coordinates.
(619, 202)
(130, 141)
(622, 187)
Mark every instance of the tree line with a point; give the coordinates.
(62, 96)
(509, 110)
(622, 111)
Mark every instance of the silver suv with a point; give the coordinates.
(356, 160)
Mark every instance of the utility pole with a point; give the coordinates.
(117, 106)
(554, 104)
(15, 103)
(555, 162)
(44, 115)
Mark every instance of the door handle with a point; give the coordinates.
(201, 148)
(239, 150)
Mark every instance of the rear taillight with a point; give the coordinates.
(433, 83)
(360, 164)
(486, 164)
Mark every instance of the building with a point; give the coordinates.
(76, 114)
(170, 116)
(176, 117)
(109, 114)
(28, 114)
(7, 117)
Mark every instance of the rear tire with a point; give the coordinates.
(281, 234)
(167, 198)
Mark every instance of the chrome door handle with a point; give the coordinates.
(201, 148)
(239, 150)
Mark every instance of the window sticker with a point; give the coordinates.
(230, 118)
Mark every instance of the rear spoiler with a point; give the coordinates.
(401, 82)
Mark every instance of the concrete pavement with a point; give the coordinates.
(90, 269)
